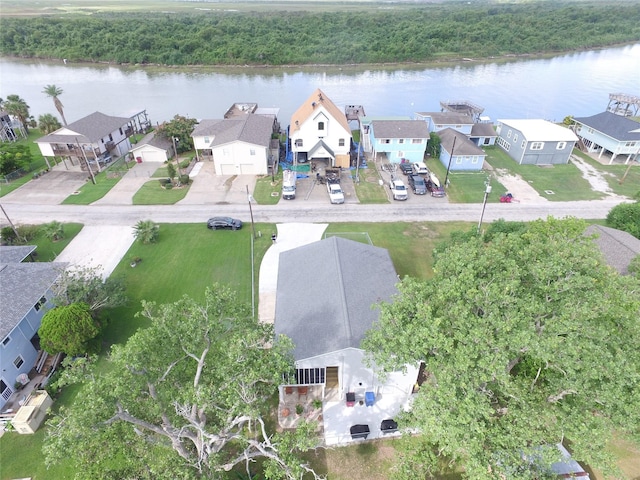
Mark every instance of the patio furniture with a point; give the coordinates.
(359, 431)
(389, 426)
(351, 399)
(369, 399)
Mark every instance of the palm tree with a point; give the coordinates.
(54, 92)
(146, 231)
(48, 123)
(17, 108)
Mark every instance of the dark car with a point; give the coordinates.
(434, 190)
(406, 168)
(216, 223)
(417, 184)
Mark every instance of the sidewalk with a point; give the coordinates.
(290, 236)
(123, 191)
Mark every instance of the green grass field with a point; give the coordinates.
(152, 193)
(37, 163)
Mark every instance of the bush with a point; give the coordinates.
(54, 231)
(146, 231)
(8, 236)
(164, 181)
(168, 186)
(184, 179)
(626, 217)
(185, 163)
(28, 232)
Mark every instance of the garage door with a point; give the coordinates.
(227, 169)
(248, 169)
(153, 156)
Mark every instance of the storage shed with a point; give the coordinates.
(32, 413)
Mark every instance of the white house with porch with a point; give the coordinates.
(609, 134)
(325, 303)
(319, 131)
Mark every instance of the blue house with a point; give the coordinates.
(437, 121)
(609, 134)
(399, 139)
(25, 295)
(466, 154)
(535, 142)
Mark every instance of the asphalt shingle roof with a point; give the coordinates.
(21, 286)
(400, 129)
(90, 129)
(615, 126)
(618, 248)
(448, 118)
(326, 291)
(464, 146)
(153, 140)
(253, 129)
(15, 254)
(483, 130)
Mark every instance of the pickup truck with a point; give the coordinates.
(335, 192)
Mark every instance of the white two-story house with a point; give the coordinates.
(320, 131)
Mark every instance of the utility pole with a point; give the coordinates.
(86, 160)
(487, 191)
(631, 162)
(446, 178)
(249, 198)
(175, 151)
(15, 230)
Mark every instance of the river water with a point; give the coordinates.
(551, 88)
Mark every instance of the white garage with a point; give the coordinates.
(152, 148)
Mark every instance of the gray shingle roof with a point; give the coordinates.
(483, 130)
(326, 291)
(618, 248)
(10, 254)
(464, 146)
(21, 286)
(615, 126)
(155, 141)
(448, 118)
(89, 129)
(253, 129)
(400, 129)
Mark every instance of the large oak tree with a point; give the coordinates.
(528, 339)
(186, 397)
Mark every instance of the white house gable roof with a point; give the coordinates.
(326, 291)
(90, 129)
(153, 140)
(615, 126)
(536, 130)
(318, 101)
(252, 129)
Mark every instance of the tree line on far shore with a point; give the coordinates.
(415, 33)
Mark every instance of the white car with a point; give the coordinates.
(419, 168)
(398, 190)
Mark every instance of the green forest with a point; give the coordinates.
(420, 33)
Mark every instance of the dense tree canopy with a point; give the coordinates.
(13, 156)
(626, 217)
(68, 329)
(86, 285)
(184, 398)
(180, 129)
(527, 339)
(404, 33)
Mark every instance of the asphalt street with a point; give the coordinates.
(286, 212)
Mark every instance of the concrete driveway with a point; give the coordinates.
(123, 191)
(49, 189)
(211, 189)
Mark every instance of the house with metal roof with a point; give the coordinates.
(25, 295)
(608, 134)
(319, 131)
(399, 140)
(326, 300)
(617, 247)
(457, 152)
(94, 140)
(535, 142)
(239, 145)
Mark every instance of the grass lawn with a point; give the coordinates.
(564, 180)
(368, 189)
(89, 192)
(464, 187)
(37, 163)
(152, 193)
(47, 250)
(614, 174)
(267, 192)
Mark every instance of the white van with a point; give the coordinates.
(288, 184)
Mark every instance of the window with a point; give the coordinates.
(458, 160)
(630, 144)
(110, 138)
(515, 137)
(385, 141)
(487, 141)
(252, 151)
(561, 145)
(503, 143)
(120, 130)
(225, 152)
(18, 361)
(320, 125)
(537, 145)
(400, 154)
(524, 144)
(509, 134)
(458, 127)
(6, 341)
(341, 142)
(299, 142)
(416, 141)
(590, 130)
(206, 140)
(474, 159)
(40, 303)
(5, 391)
(401, 140)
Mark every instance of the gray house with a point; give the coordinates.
(618, 248)
(535, 142)
(25, 295)
(325, 302)
(609, 134)
(466, 154)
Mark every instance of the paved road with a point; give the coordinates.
(299, 212)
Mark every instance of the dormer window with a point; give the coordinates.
(320, 125)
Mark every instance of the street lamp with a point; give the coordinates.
(487, 191)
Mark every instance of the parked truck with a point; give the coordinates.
(288, 184)
(333, 185)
